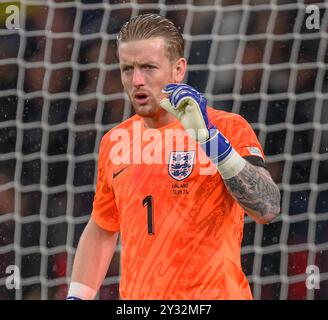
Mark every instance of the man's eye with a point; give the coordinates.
(126, 69)
(149, 67)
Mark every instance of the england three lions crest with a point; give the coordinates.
(181, 164)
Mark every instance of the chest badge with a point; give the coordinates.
(181, 164)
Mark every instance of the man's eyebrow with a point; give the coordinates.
(139, 63)
(124, 65)
(148, 62)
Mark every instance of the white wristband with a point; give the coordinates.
(81, 291)
(231, 166)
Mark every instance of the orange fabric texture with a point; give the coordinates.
(194, 252)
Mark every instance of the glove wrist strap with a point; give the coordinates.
(216, 147)
(231, 165)
(222, 154)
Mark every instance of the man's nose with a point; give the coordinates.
(138, 79)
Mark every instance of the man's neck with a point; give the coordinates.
(157, 122)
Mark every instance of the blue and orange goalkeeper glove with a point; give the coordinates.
(190, 108)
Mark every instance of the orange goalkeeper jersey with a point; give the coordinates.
(181, 230)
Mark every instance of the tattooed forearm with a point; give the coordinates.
(256, 192)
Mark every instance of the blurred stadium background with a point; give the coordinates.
(60, 92)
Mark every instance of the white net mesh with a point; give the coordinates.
(60, 91)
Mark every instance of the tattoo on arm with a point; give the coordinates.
(255, 191)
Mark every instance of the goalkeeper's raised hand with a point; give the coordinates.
(190, 107)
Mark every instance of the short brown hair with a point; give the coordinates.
(150, 25)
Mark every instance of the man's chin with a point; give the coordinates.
(145, 110)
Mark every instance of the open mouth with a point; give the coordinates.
(141, 98)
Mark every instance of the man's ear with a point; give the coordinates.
(180, 68)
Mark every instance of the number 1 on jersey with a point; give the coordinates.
(148, 201)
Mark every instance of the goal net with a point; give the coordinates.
(60, 91)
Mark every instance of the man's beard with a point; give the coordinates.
(146, 111)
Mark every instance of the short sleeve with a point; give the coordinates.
(104, 210)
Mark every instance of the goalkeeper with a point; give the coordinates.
(181, 231)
